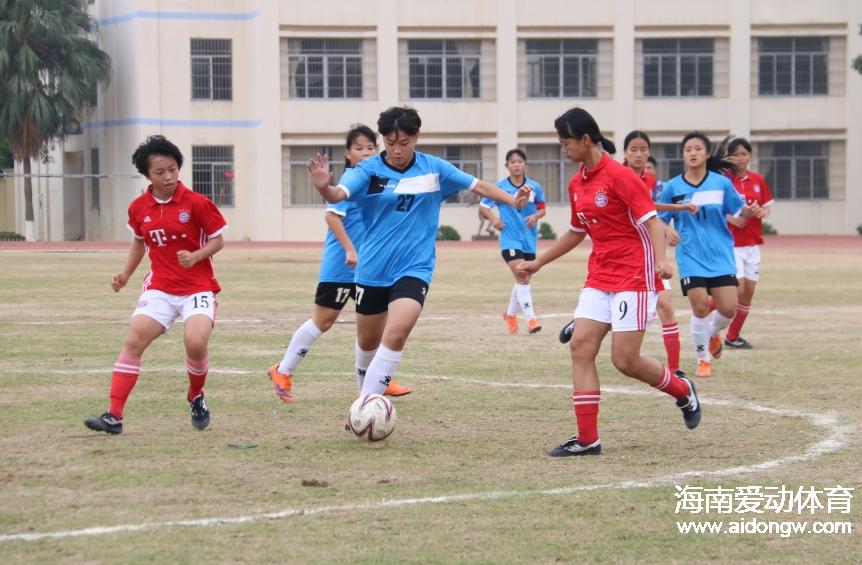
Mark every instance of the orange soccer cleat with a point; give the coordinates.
(704, 369)
(395, 389)
(511, 323)
(281, 383)
(715, 346)
(534, 326)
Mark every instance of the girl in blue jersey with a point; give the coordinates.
(335, 286)
(705, 252)
(518, 235)
(399, 192)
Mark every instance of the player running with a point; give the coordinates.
(181, 231)
(609, 203)
(335, 282)
(519, 233)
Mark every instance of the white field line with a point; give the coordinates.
(836, 437)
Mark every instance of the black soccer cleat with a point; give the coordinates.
(200, 413)
(566, 332)
(574, 447)
(738, 343)
(690, 405)
(105, 423)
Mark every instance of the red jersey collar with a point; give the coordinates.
(585, 174)
(177, 196)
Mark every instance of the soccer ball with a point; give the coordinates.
(372, 416)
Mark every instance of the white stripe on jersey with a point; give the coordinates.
(704, 197)
(418, 185)
(649, 258)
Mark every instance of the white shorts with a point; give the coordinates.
(665, 283)
(747, 262)
(164, 308)
(628, 311)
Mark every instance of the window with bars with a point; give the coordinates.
(213, 173)
(322, 68)
(802, 170)
(678, 67)
(468, 158)
(95, 189)
(562, 68)
(296, 187)
(552, 169)
(212, 73)
(668, 156)
(444, 68)
(793, 66)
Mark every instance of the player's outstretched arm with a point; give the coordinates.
(321, 178)
(333, 221)
(563, 245)
(494, 192)
(136, 254)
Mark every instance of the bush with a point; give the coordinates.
(768, 229)
(859, 229)
(546, 231)
(10, 236)
(448, 233)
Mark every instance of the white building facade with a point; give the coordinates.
(249, 90)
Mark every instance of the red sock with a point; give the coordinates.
(672, 385)
(197, 375)
(670, 334)
(123, 379)
(711, 304)
(586, 403)
(736, 325)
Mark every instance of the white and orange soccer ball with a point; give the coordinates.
(372, 416)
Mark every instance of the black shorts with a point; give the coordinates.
(512, 254)
(372, 300)
(707, 282)
(334, 295)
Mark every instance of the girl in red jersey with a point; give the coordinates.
(180, 230)
(609, 204)
(747, 233)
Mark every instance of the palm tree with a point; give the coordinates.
(50, 69)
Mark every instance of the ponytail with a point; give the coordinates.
(607, 144)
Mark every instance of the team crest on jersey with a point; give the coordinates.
(756, 188)
(601, 199)
(185, 216)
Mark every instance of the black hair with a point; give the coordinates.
(733, 142)
(358, 130)
(652, 160)
(715, 161)
(155, 145)
(516, 151)
(399, 118)
(636, 134)
(576, 123)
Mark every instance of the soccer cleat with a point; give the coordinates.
(281, 382)
(200, 412)
(737, 343)
(534, 326)
(704, 368)
(105, 423)
(566, 332)
(690, 405)
(573, 446)
(511, 323)
(715, 346)
(395, 389)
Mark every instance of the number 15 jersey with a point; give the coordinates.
(401, 212)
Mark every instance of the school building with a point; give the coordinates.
(250, 89)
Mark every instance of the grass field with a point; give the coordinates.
(464, 478)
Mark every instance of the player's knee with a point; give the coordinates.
(324, 325)
(196, 347)
(625, 363)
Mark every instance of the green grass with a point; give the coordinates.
(454, 436)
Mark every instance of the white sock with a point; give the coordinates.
(381, 370)
(513, 302)
(719, 322)
(363, 359)
(525, 300)
(700, 337)
(300, 343)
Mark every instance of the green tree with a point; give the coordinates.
(50, 70)
(857, 64)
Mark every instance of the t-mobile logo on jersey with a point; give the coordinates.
(159, 237)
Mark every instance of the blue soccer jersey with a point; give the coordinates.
(515, 233)
(332, 265)
(401, 209)
(706, 244)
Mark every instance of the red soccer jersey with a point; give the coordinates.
(650, 181)
(611, 205)
(186, 221)
(753, 188)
